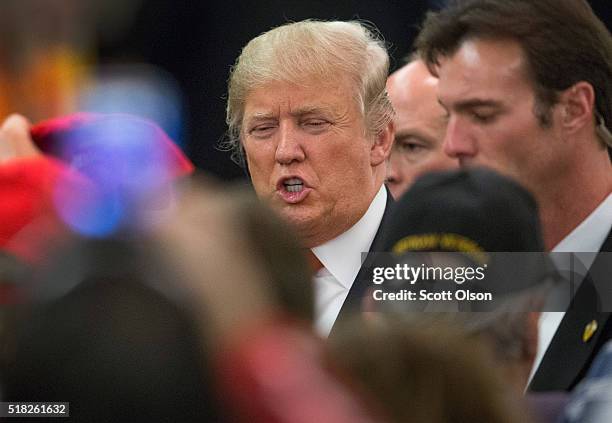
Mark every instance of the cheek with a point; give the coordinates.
(259, 155)
(357, 170)
(441, 161)
(353, 156)
(395, 163)
(519, 142)
(332, 151)
(338, 165)
(522, 153)
(260, 163)
(512, 137)
(427, 164)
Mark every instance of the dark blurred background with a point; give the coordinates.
(196, 42)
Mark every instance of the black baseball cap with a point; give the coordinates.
(466, 210)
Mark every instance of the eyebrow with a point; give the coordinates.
(260, 116)
(472, 103)
(295, 113)
(306, 110)
(257, 117)
(404, 135)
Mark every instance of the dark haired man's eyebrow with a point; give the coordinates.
(474, 103)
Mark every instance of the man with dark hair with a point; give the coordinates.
(526, 84)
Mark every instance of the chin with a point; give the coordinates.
(296, 215)
(303, 221)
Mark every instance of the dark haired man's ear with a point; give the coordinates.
(577, 103)
(383, 141)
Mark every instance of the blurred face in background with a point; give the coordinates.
(420, 125)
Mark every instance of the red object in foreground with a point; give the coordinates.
(275, 374)
(26, 189)
(49, 135)
(28, 185)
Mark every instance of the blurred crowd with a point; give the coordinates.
(136, 287)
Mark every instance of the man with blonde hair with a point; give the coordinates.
(309, 116)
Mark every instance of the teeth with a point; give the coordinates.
(294, 185)
(293, 181)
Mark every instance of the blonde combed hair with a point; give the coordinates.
(305, 50)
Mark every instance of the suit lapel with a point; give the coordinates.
(352, 303)
(569, 356)
(607, 245)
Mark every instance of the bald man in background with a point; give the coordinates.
(420, 125)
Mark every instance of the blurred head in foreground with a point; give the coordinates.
(107, 339)
(473, 219)
(122, 329)
(244, 242)
(424, 372)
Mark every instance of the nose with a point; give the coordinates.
(289, 148)
(459, 141)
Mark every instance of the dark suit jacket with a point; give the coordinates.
(363, 280)
(590, 401)
(568, 357)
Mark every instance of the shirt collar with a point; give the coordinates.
(589, 235)
(341, 256)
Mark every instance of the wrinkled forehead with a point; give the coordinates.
(310, 93)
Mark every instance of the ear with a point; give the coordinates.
(577, 106)
(383, 142)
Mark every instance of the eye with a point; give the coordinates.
(483, 117)
(315, 125)
(315, 122)
(262, 131)
(410, 147)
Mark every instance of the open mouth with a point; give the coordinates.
(293, 189)
(293, 185)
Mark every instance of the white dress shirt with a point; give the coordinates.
(587, 237)
(341, 258)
